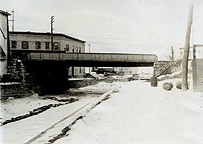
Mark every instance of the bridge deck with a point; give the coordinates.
(94, 59)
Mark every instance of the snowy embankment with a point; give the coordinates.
(142, 114)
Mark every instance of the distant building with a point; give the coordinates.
(181, 53)
(126, 70)
(198, 53)
(4, 37)
(102, 70)
(38, 41)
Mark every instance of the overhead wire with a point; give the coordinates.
(103, 37)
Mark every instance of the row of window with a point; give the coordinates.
(25, 45)
(73, 50)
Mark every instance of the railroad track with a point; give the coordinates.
(85, 108)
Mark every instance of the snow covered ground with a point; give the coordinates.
(136, 114)
(140, 114)
(25, 129)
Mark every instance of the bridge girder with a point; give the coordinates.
(93, 59)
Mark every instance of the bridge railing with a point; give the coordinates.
(93, 57)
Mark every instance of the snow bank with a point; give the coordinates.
(143, 115)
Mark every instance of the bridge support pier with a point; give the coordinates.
(46, 78)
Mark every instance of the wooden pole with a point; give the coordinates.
(186, 51)
(194, 68)
(52, 41)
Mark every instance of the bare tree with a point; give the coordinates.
(171, 56)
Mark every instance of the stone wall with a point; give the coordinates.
(14, 90)
(14, 84)
(81, 83)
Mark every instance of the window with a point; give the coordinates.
(37, 45)
(76, 49)
(73, 49)
(181, 54)
(79, 49)
(80, 70)
(56, 46)
(13, 44)
(67, 47)
(25, 44)
(46, 45)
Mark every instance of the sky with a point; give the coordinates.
(130, 26)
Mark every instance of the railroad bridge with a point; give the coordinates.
(47, 72)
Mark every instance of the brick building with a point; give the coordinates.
(38, 41)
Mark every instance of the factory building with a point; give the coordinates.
(38, 41)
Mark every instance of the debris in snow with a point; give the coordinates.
(39, 110)
(179, 85)
(60, 100)
(65, 130)
(11, 98)
(167, 86)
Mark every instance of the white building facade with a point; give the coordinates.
(4, 37)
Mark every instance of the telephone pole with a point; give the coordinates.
(89, 47)
(186, 51)
(12, 20)
(89, 52)
(52, 28)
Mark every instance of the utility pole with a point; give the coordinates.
(52, 28)
(12, 20)
(172, 54)
(89, 52)
(89, 47)
(186, 51)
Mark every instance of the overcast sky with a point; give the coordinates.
(131, 26)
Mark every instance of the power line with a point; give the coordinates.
(102, 37)
(113, 43)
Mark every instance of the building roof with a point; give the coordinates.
(4, 13)
(48, 34)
